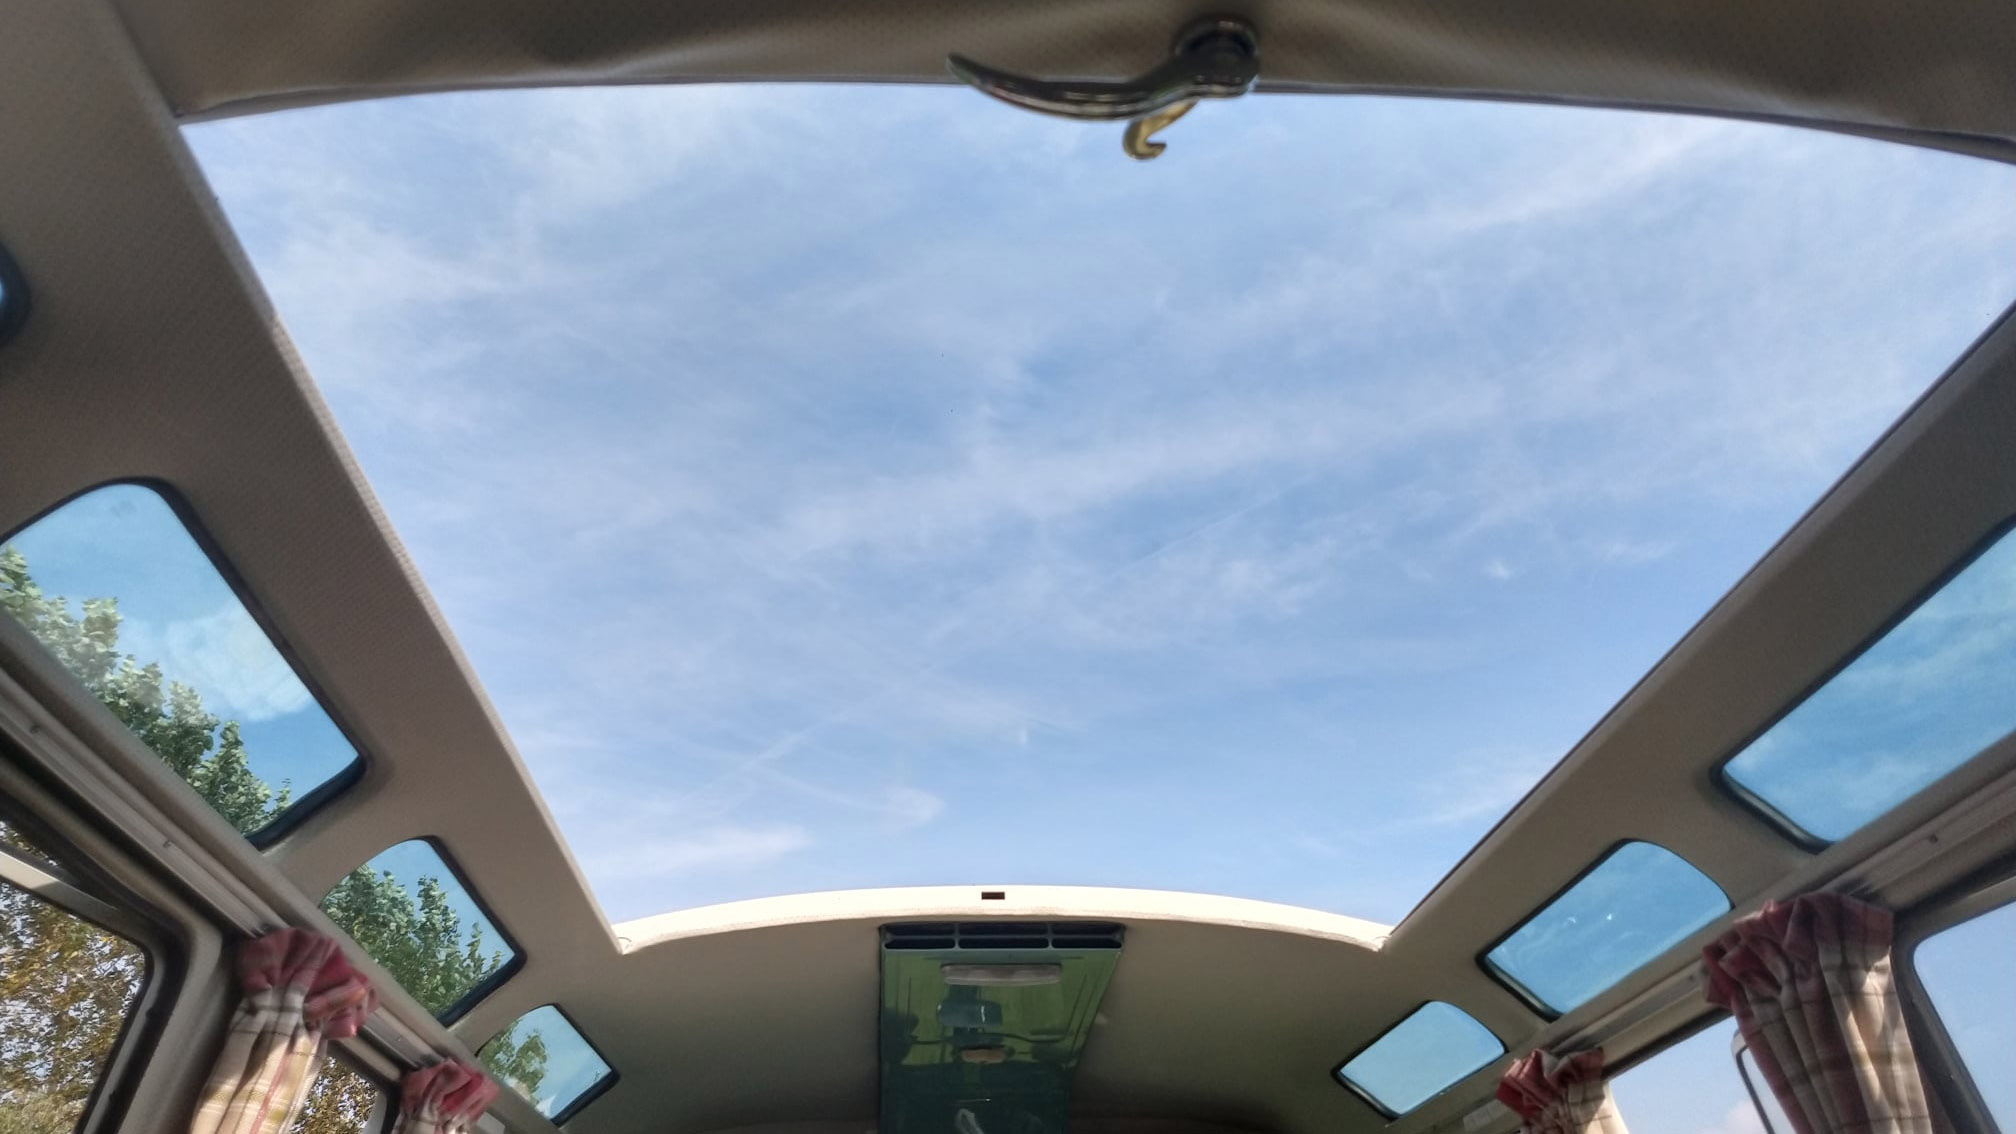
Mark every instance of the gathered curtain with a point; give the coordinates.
(1810, 985)
(1561, 1094)
(446, 1098)
(298, 992)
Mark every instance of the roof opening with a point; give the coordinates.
(980, 477)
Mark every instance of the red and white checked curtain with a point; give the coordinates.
(298, 993)
(1557, 1095)
(446, 1098)
(1809, 983)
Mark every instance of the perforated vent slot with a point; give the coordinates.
(1002, 935)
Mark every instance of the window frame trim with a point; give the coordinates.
(311, 801)
(1738, 1048)
(1948, 1078)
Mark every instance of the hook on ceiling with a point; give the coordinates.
(1217, 57)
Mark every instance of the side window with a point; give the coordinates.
(411, 911)
(1633, 904)
(545, 1058)
(68, 988)
(1969, 974)
(1689, 1088)
(1419, 1057)
(1917, 703)
(117, 591)
(341, 1100)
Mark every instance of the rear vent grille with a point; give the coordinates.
(1002, 935)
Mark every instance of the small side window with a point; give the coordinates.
(545, 1058)
(1917, 703)
(413, 914)
(1635, 903)
(117, 590)
(1969, 975)
(68, 989)
(1419, 1057)
(342, 1100)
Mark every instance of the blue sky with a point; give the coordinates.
(849, 487)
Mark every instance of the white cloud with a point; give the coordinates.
(1315, 846)
(727, 847)
(1739, 1119)
(1483, 785)
(912, 807)
(224, 656)
(1618, 166)
(1631, 552)
(1045, 479)
(898, 808)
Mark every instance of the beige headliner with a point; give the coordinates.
(154, 354)
(1871, 65)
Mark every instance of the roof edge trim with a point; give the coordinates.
(964, 903)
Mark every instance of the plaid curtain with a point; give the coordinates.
(1809, 984)
(1553, 1095)
(299, 992)
(446, 1098)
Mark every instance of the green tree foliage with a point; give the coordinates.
(519, 1064)
(167, 716)
(66, 986)
(415, 934)
(340, 1101)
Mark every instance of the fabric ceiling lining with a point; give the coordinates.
(1938, 72)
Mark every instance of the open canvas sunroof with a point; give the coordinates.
(846, 487)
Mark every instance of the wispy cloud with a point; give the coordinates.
(1740, 1118)
(727, 848)
(226, 657)
(1617, 167)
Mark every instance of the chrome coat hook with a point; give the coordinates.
(1212, 58)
